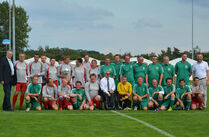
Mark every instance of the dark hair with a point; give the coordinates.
(181, 80)
(94, 60)
(126, 56)
(52, 58)
(48, 79)
(154, 56)
(140, 77)
(93, 75)
(184, 54)
(66, 57)
(80, 60)
(117, 55)
(195, 78)
(36, 54)
(168, 79)
(139, 57)
(78, 82)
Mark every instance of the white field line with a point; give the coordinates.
(144, 123)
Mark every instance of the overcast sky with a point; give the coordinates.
(117, 26)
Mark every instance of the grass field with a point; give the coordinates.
(103, 123)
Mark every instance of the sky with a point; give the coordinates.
(117, 26)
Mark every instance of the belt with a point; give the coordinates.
(202, 78)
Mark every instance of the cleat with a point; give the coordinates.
(157, 109)
(27, 109)
(187, 109)
(120, 108)
(135, 108)
(201, 108)
(170, 109)
(176, 108)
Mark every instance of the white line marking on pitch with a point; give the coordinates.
(146, 124)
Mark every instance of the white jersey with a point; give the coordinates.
(36, 68)
(95, 71)
(66, 90)
(21, 69)
(196, 88)
(52, 72)
(50, 91)
(87, 65)
(91, 90)
(79, 74)
(65, 69)
(45, 66)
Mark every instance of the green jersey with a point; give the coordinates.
(168, 89)
(157, 89)
(169, 72)
(34, 89)
(141, 90)
(154, 71)
(140, 70)
(117, 71)
(81, 92)
(180, 91)
(128, 71)
(109, 68)
(183, 69)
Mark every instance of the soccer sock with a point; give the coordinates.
(189, 103)
(14, 101)
(27, 104)
(135, 103)
(45, 104)
(172, 102)
(60, 101)
(97, 104)
(21, 101)
(160, 101)
(200, 103)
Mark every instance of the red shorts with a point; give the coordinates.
(65, 102)
(93, 100)
(56, 83)
(50, 103)
(194, 100)
(21, 87)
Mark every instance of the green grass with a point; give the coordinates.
(101, 123)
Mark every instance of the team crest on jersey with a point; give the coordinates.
(143, 68)
(157, 67)
(169, 69)
(186, 66)
(36, 89)
(143, 89)
(131, 66)
(110, 69)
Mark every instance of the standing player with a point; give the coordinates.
(183, 70)
(79, 102)
(169, 71)
(156, 93)
(45, 66)
(140, 69)
(154, 71)
(107, 67)
(60, 62)
(52, 71)
(32, 95)
(183, 95)
(197, 94)
(79, 73)
(169, 95)
(127, 70)
(92, 93)
(50, 95)
(86, 62)
(94, 70)
(140, 94)
(21, 68)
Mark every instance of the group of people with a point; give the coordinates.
(118, 85)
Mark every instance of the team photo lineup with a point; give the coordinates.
(120, 85)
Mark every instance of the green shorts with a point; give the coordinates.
(166, 103)
(77, 105)
(143, 103)
(35, 104)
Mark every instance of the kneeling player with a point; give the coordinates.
(169, 95)
(197, 94)
(155, 95)
(64, 93)
(141, 93)
(79, 102)
(50, 95)
(32, 95)
(183, 95)
(92, 93)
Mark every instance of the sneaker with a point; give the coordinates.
(170, 109)
(135, 108)
(201, 108)
(176, 108)
(27, 109)
(157, 109)
(187, 109)
(120, 108)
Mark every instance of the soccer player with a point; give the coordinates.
(52, 71)
(127, 70)
(60, 62)
(156, 93)
(125, 91)
(45, 66)
(64, 94)
(197, 94)
(154, 71)
(79, 73)
(169, 71)
(79, 102)
(50, 95)
(94, 70)
(109, 67)
(140, 69)
(92, 93)
(140, 94)
(183, 95)
(21, 68)
(183, 70)
(32, 95)
(86, 62)
(169, 95)
(65, 70)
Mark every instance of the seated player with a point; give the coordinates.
(125, 91)
(141, 93)
(32, 95)
(50, 95)
(183, 95)
(79, 102)
(197, 94)
(92, 93)
(156, 93)
(169, 95)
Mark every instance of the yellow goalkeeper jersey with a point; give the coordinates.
(124, 88)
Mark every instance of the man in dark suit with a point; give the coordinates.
(7, 79)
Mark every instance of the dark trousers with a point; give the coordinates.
(125, 103)
(7, 94)
(109, 101)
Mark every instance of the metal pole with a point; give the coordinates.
(13, 30)
(10, 24)
(192, 29)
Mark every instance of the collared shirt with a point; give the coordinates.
(104, 84)
(200, 69)
(11, 66)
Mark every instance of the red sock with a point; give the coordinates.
(60, 101)
(14, 101)
(200, 103)
(21, 101)
(45, 104)
(97, 104)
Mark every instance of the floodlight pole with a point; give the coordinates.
(10, 24)
(13, 19)
(192, 29)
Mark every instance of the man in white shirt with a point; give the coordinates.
(201, 71)
(107, 85)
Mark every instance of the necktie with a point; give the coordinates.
(108, 85)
